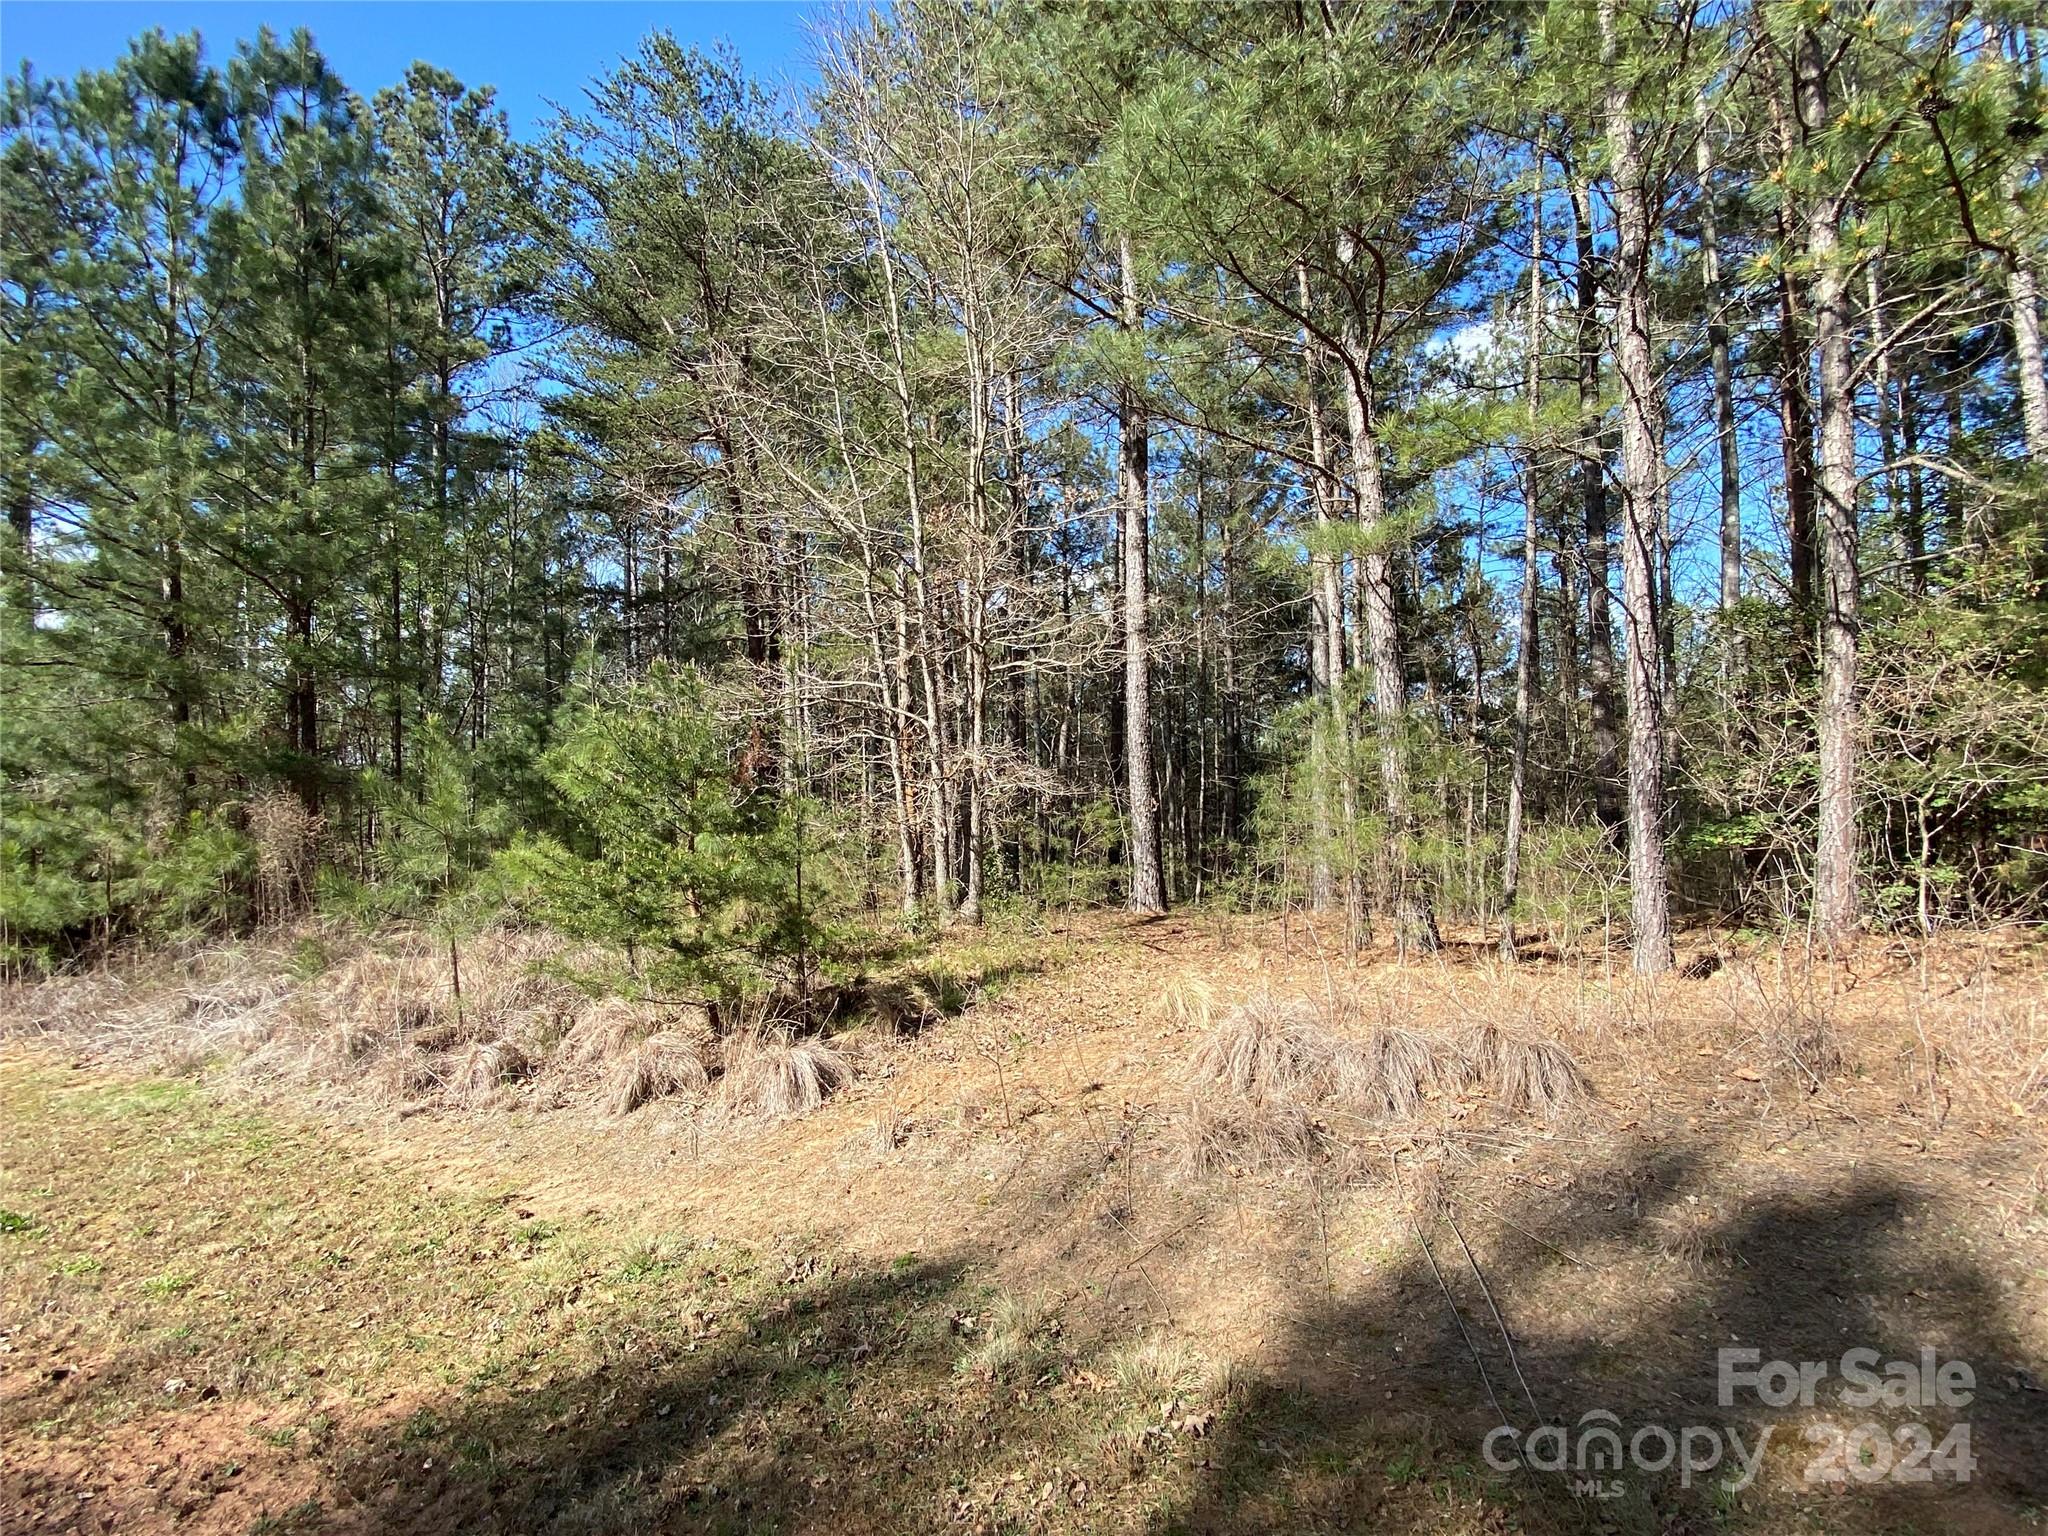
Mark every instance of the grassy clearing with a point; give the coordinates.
(225, 1313)
(364, 1350)
(326, 1343)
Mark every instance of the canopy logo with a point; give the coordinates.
(1596, 1451)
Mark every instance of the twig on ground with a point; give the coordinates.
(1471, 1345)
(1507, 1339)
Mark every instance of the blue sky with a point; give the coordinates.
(533, 51)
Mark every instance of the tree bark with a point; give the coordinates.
(1795, 405)
(1331, 764)
(1415, 923)
(2024, 290)
(1642, 478)
(1148, 883)
(1835, 902)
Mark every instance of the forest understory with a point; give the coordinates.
(1089, 1230)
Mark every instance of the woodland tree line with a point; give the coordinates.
(1538, 467)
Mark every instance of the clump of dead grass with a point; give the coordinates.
(379, 994)
(480, 1076)
(1536, 1075)
(889, 1130)
(1391, 1074)
(605, 1031)
(1230, 1133)
(899, 1005)
(1264, 1049)
(771, 1075)
(1267, 1051)
(1693, 1236)
(1478, 1048)
(404, 1075)
(660, 1066)
(514, 983)
(1268, 1079)
(1189, 1002)
(1540, 1077)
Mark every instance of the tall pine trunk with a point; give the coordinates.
(1415, 921)
(1642, 479)
(1834, 871)
(1148, 883)
(1331, 762)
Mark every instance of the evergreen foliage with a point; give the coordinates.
(1071, 439)
(670, 846)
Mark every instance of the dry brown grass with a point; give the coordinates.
(1189, 1002)
(1693, 1237)
(1264, 1049)
(404, 1075)
(1995, 1059)
(1478, 1048)
(287, 836)
(770, 1075)
(661, 1066)
(1277, 1051)
(1540, 1077)
(1231, 1133)
(481, 1075)
(379, 994)
(409, 990)
(1799, 1037)
(605, 1031)
(1269, 1080)
(898, 1006)
(1391, 1074)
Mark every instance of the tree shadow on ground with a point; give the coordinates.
(1376, 1414)
(795, 1417)
(837, 1402)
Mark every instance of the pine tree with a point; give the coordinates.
(295, 268)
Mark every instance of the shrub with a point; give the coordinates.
(671, 845)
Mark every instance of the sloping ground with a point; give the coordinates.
(985, 1288)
